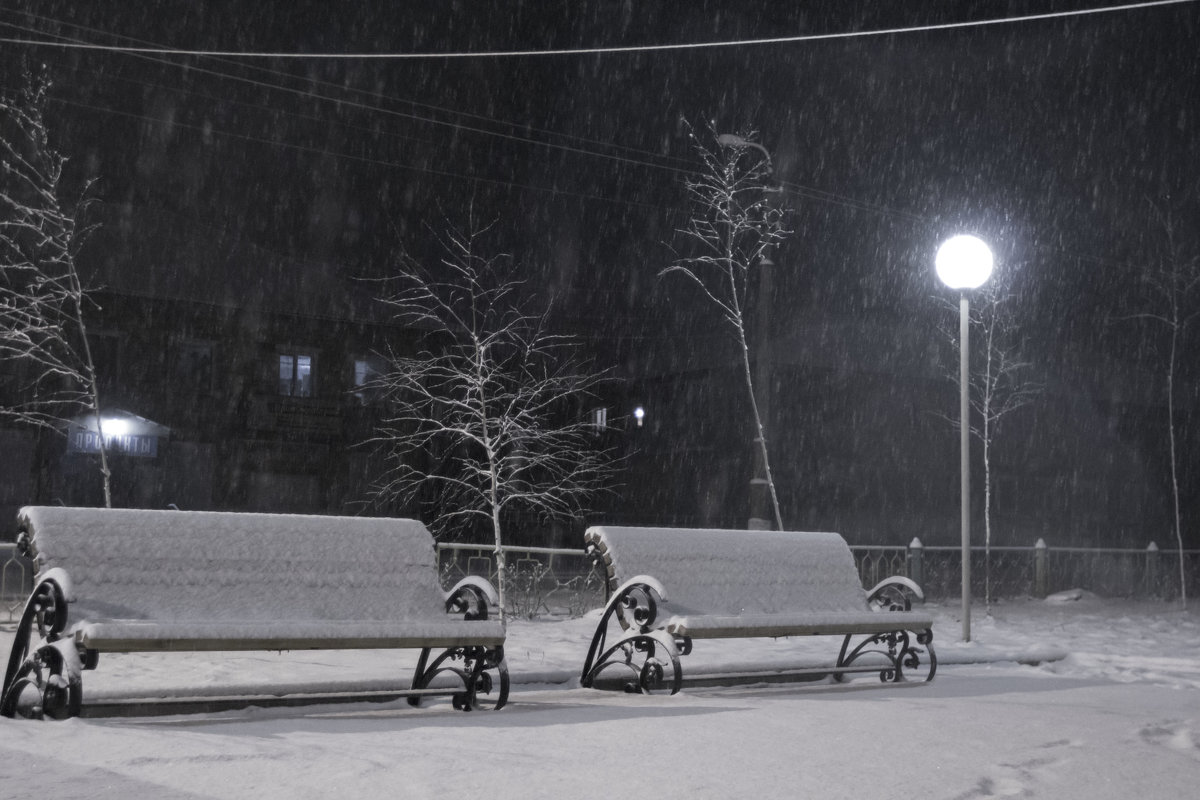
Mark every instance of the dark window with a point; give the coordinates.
(194, 366)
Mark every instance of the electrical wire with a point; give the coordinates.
(364, 159)
(157, 54)
(795, 189)
(309, 81)
(630, 49)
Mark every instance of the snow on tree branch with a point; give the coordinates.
(1171, 280)
(43, 335)
(487, 415)
(732, 231)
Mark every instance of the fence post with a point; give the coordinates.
(916, 562)
(1041, 573)
(1152, 587)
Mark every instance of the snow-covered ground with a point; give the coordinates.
(1110, 709)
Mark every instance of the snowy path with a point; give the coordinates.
(977, 732)
(1119, 716)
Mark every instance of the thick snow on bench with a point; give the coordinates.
(138, 575)
(722, 581)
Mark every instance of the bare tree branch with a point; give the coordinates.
(732, 230)
(43, 331)
(1171, 281)
(486, 417)
(998, 385)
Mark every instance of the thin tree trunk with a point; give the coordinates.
(747, 372)
(494, 488)
(93, 390)
(987, 521)
(501, 565)
(1174, 460)
(758, 427)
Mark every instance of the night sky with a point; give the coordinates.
(1048, 138)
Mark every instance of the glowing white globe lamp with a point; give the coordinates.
(964, 262)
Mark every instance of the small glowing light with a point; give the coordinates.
(114, 427)
(963, 262)
(639, 414)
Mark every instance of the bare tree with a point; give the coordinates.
(733, 228)
(999, 385)
(487, 416)
(1171, 282)
(43, 331)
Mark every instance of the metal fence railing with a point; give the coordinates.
(557, 580)
(16, 582)
(1037, 571)
(540, 580)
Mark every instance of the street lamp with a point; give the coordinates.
(964, 262)
(733, 140)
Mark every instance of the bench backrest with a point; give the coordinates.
(193, 565)
(734, 572)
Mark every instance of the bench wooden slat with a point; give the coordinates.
(800, 624)
(130, 637)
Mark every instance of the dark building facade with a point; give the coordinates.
(253, 410)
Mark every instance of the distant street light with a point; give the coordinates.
(964, 262)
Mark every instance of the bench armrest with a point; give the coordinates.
(637, 596)
(472, 596)
(894, 594)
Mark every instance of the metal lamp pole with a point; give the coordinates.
(964, 262)
(964, 444)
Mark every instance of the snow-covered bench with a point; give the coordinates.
(119, 581)
(668, 586)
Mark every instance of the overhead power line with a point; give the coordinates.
(649, 160)
(630, 49)
(310, 82)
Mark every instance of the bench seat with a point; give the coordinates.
(128, 636)
(670, 586)
(133, 580)
(712, 626)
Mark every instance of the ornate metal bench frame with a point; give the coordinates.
(650, 654)
(44, 676)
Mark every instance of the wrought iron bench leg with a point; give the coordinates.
(897, 647)
(639, 654)
(47, 681)
(473, 672)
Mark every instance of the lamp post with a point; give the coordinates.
(964, 262)
(733, 140)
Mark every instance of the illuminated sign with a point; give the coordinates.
(80, 440)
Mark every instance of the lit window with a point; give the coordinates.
(367, 370)
(362, 372)
(296, 375)
(600, 418)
